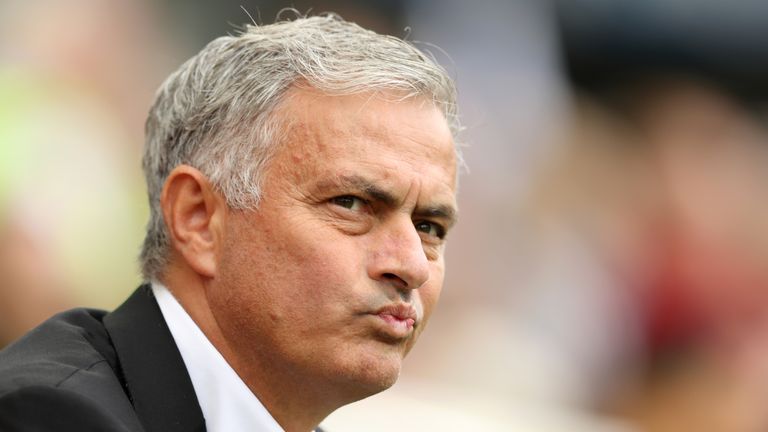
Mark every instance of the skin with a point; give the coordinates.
(356, 202)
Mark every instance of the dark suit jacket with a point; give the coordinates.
(88, 370)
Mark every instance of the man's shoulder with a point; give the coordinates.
(64, 373)
(54, 353)
(47, 408)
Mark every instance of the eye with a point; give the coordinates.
(430, 228)
(349, 202)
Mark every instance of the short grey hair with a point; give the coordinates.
(215, 112)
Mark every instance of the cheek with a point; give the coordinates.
(294, 271)
(430, 292)
(330, 281)
(429, 295)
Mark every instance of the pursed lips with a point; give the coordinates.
(399, 318)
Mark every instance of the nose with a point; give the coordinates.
(398, 256)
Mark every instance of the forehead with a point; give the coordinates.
(378, 133)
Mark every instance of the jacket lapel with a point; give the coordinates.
(153, 371)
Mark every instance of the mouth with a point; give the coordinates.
(397, 321)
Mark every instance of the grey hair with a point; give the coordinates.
(215, 112)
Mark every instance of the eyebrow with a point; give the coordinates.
(374, 192)
(440, 211)
(368, 188)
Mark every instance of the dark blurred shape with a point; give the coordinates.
(610, 43)
(684, 82)
(197, 23)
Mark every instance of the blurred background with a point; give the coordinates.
(610, 270)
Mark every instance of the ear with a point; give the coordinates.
(195, 214)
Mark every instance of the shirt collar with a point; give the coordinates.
(228, 405)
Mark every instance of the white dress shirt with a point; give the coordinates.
(228, 405)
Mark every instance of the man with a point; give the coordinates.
(301, 179)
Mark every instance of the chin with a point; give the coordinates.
(370, 373)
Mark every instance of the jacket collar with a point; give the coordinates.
(153, 372)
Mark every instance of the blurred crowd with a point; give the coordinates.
(610, 268)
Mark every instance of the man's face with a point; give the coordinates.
(335, 275)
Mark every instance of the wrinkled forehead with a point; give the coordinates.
(297, 116)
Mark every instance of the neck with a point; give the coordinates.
(296, 407)
(296, 401)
